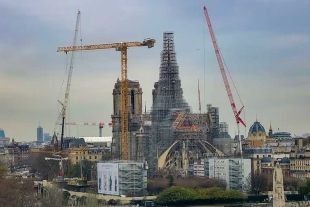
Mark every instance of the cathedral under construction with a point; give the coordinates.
(170, 138)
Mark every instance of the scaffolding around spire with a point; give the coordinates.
(167, 92)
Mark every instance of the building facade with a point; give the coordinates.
(256, 136)
(300, 159)
(47, 137)
(234, 171)
(93, 154)
(199, 169)
(135, 110)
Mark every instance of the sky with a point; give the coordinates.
(265, 44)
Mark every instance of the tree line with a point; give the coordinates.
(155, 186)
(177, 195)
(263, 182)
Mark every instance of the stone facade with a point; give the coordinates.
(257, 135)
(135, 109)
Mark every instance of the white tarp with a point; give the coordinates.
(108, 181)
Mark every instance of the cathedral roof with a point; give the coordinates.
(256, 127)
(285, 160)
(266, 160)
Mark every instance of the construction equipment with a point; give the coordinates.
(199, 102)
(50, 152)
(60, 159)
(221, 65)
(65, 102)
(122, 47)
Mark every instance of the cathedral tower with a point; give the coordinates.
(134, 108)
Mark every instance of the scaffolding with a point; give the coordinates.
(172, 119)
(168, 92)
(132, 178)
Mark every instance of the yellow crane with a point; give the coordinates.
(122, 47)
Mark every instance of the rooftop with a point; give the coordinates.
(97, 139)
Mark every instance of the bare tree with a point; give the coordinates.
(38, 163)
(16, 193)
(291, 183)
(3, 169)
(91, 200)
(52, 197)
(260, 183)
(248, 184)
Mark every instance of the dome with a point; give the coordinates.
(2, 134)
(285, 160)
(266, 160)
(256, 127)
(224, 135)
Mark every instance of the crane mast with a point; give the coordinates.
(224, 76)
(64, 104)
(199, 103)
(122, 47)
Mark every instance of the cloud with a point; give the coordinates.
(287, 41)
(267, 60)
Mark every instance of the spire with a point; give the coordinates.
(270, 127)
(169, 91)
(141, 130)
(145, 108)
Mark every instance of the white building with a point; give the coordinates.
(235, 171)
(122, 178)
(98, 141)
(199, 169)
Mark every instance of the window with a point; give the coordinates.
(90, 157)
(95, 157)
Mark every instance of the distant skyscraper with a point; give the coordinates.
(39, 134)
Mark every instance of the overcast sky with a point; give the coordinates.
(265, 44)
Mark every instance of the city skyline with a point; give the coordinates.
(264, 44)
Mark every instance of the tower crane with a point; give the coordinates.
(228, 90)
(122, 47)
(64, 104)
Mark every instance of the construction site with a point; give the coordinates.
(170, 137)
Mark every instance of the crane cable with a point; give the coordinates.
(81, 40)
(232, 80)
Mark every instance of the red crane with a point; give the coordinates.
(220, 62)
